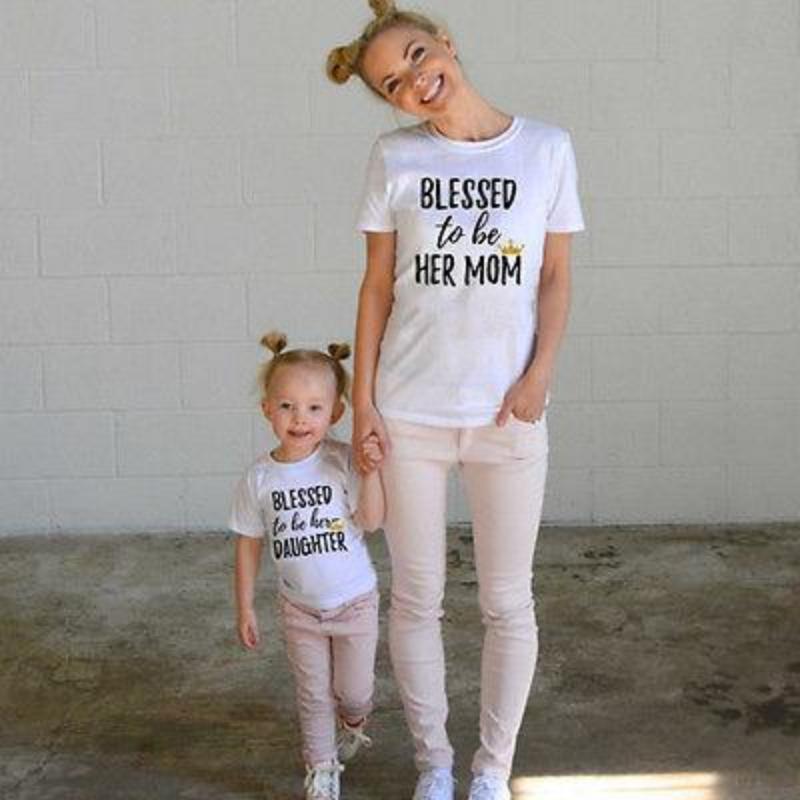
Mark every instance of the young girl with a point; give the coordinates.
(305, 497)
(467, 216)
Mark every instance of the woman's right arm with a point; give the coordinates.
(374, 304)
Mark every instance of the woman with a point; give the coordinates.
(464, 302)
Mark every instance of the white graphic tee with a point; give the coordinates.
(305, 509)
(471, 220)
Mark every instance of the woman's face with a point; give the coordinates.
(414, 71)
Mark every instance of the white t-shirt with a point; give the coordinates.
(471, 219)
(305, 508)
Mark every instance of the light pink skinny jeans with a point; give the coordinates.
(504, 471)
(332, 655)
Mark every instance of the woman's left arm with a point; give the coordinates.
(526, 398)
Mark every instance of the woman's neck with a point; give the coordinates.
(471, 119)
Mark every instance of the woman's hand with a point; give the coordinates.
(525, 399)
(367, 428)
(247, 627)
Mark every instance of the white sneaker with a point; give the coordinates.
(486, 786)
(322, 781)
(435, 784)
(350, 739)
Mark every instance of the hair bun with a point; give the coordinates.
(382, 7)
(341, 63)
(339, 351)
(274, 341)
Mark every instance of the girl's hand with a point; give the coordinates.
(372, 453)
(247, 627)
(367, 423)
(525, 399)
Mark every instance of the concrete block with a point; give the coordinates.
(23, 507)
(762, 299)
(188, 443)
(235, 102)
(246, 240)
(618, 164)
(766, 94)
(269, 30)
(46, 34)
(659, 232)
(616, 301)
(765, 434)
(18, 256)
(694, 300)
(117, 505)
(554, 92)
(591, 31)
(569, 426)
(20, 379)
(276, 170)
(262, 437)
(694, 434)
(49, 175)
(283, 302)
(348, 109)
(234, 367)
(671, 95)
(164, 33)
(166, 173)
(338, 246)
(207, 501)
(659, 368)
(116, 377)
(763, 494)
(727, 29)
(765, 367)
(108, 243)
(572, 380)
(659, 495)
(53, 311)
(338, 167)
(56, 445)
(726, 164)
(624, 435)
(765, 230)
(14, 106)
(568, 497)
(177, 309)
(90, 105)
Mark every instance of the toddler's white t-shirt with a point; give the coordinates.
(471, 219)
(305, 509)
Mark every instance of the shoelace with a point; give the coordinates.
(484, 787)
(357, 734)
(319, 780)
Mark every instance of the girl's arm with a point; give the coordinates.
(248, 563)
(526, 398)
(374, 304)
(371, 504)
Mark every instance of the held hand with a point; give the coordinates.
(525, 399)
(372, 452)
(247, 627)
(368, 426)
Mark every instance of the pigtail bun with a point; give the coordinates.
(382, 7)
(342, 62)
(339, 351)
(274, 341)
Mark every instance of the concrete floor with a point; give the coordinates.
(671, 655)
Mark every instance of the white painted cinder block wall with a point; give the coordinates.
(176, 176)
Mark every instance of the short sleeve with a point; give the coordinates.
(375, 213)
(352, 484)
(564, 212)
(246, 517)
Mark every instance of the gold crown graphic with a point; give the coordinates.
(511, 249)
(336, 525)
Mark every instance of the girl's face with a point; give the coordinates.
(301, 406)
(414, 71)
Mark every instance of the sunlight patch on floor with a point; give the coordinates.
(655, 786)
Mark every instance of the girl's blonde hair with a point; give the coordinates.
(276, 341)
(347, 60)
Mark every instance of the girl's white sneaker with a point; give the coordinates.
(322, 781)
(435, 784)
(486, 786)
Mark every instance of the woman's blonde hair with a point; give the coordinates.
(276, 341)
(347, 60)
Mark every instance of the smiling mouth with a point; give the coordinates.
(434, 91)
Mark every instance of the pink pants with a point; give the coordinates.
(504, 470)
(332, 655)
